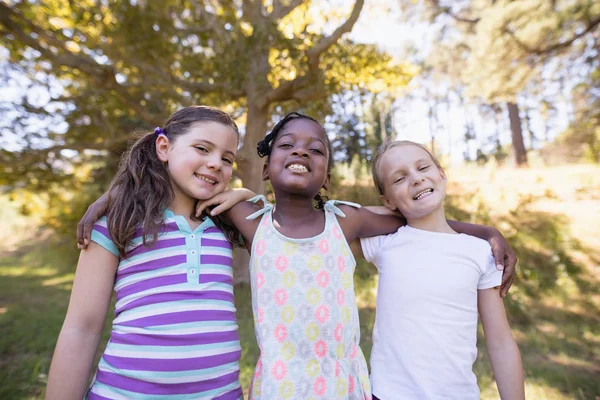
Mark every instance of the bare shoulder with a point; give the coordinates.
(238, 215)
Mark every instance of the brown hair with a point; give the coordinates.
(142, 190)
(383, 149)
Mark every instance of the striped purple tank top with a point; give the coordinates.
(175, 334)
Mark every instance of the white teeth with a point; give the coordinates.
(421, 194)
(298, 167)
(205, 179)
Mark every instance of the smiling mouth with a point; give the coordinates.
(422, 194)
(297, 168)
(205, 179)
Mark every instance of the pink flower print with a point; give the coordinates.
(353, 351)
(281, 296)
(323, 278)
(320, 348)
(280, 333)
(320, 386)
(351, 384)
(322, 313)
(261, 315)
(281, 263)
(261, 246)
(341, 297)
(279, 370)
(341, 264)
(258, 369)
(260, 280)
(324, 246)
(339, 332)
(336, 232)
(338, 368)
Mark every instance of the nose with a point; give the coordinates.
(300, 151)
(214, 163)
(417, 180)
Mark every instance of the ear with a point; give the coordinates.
(162, 148)
(327, 182)
(443, 174)
(265, 172)
(388, 204)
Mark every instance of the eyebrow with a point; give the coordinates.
(403, 169)
(294, 134)
(213, 145)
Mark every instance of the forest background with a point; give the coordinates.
(505, 93)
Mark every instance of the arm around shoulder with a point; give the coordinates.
(361, 222)
(82, 329)
(501, 347)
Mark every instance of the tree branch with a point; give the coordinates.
(325, 43)
(280, 10)
(287, 89)
(448, 11)
(540, 51)
(252, 9)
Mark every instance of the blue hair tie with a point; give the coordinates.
(158, 131)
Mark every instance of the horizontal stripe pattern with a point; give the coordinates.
(175, 334)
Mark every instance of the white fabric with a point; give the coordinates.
(425, 334)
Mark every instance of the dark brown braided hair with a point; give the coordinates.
(264, 147)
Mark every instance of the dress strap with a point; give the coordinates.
(330, 205)
(266, 208)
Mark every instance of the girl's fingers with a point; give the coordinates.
(202, 206)
(509, 272)
(219, 209)
(499, 255)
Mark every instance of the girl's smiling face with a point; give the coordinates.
(200, 161)
(299, 158)
(412, 182)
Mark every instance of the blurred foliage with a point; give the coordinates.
(92, 73)
(515, 55)
(581, 141)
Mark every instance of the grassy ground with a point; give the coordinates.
(551, 217)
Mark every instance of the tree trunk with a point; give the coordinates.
(517, 135)
(250, 171)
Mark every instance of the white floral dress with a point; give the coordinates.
(305, 314)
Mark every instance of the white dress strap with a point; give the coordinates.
(330, 205)
(266, 208)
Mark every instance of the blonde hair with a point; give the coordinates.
(387, 146)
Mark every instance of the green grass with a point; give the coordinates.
(559, 343)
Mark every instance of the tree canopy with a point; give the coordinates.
(94, 72)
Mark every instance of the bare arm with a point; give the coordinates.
(362, 222)
(86, 224)
(82, 330)
(501, 347)
(505, 256)
(224, 201)
(233, 205)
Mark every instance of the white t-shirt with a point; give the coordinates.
(425, 334)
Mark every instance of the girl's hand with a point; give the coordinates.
(224, 201)
(85, 225)
(506, 259)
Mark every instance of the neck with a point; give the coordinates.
(293, 207)
(433, 222)
(183, 205)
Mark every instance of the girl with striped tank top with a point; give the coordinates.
(301, 268)
(175, 334)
